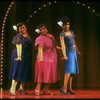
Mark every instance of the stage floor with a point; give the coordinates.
(80, 94)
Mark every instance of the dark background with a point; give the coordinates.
(84, 22)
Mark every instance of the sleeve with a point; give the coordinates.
(39, 41)
(18, 39)
(61, 34)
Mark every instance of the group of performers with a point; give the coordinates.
(46, 59)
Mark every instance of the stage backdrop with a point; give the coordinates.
(84, 23)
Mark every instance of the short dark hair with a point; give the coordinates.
(20, 24)
(65, 20)
(41, 25)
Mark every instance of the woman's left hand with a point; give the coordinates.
(79, 52)
(59, 48)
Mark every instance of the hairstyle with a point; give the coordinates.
(41, 25)
(20, 24)
(65, 20)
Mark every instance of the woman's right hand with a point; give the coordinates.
(19, 58)
(64, 58)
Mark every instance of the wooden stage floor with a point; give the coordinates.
(80, 94)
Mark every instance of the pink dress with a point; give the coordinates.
(46, 70)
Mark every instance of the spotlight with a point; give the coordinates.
(1, 55)
(2, 41)
(7, 12)
(78, 2)
(12, 2)
(1, 48)
(10, 6)
(3, 27)
(2, 31)
(1, 44)
(93, 10)
(39, 8)
(2, 35)
(88, 7)
(49, 3)
(44, 5)
(83, 4)
(55, 1)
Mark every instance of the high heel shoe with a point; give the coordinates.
(63, 92)
(12, 93)
(22, 92)
(36, 92)
(71, 92)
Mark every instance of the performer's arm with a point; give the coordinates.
(40, 53)
(19, 51)
(63, 47)
(77, 49)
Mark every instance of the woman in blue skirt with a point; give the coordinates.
(21, 61)
(69, 49)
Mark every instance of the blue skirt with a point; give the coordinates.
(21, 70)
(71, 65)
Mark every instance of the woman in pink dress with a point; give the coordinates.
(46, 61)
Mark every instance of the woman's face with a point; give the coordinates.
(66, 27)
(43, 30)
(22, 29)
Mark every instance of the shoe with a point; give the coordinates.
(63, 92)
(71, 92)
(36, 92)
(12, 93)
(22, 92)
